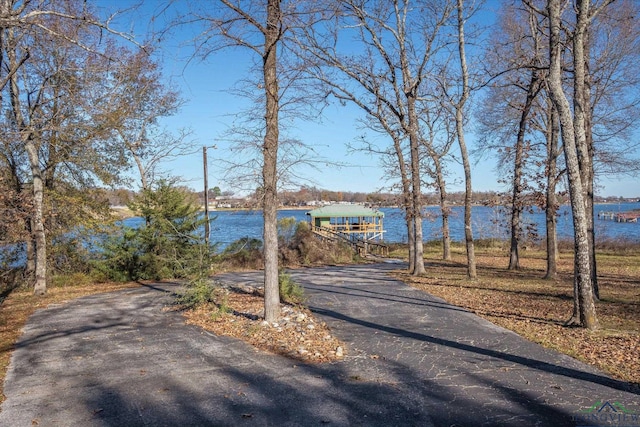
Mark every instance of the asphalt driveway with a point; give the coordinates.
(123, 359)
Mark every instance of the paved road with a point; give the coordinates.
(122, 359)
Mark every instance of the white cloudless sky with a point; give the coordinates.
(210, 108)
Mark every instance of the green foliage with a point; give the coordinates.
(222, 304)
(69, 254)
(168, 245)
(199, 291)
(290, 291)
(203, 291)
(122, 253)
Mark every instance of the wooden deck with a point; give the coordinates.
(631, 216)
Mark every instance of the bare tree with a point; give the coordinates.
(552, 177)
(458, 101)
(605, 105)
(438, 138)
(258, 26)
(142, 99)
(387, 79)
(516, 59)
(584, 307)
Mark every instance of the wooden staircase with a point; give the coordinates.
(361, 246)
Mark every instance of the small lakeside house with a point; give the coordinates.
(355, 222)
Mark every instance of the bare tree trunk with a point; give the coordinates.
(582, 122)
(518, 164)
(445, 211)
(551, 200)
(269, 170)
(411, 238)
(37, 215)
(584, 307)
(591, 217)
(516, 210)
(588, 172)
(406, 198)
(39, 235)
(580, 105)
(418, 268)
(30, 267)
(410, 87)
(468, 232)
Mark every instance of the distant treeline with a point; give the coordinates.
(308, 195)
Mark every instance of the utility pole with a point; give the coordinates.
(207, 229)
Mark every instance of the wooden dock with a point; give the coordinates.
(631, 216)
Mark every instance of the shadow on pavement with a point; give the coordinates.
(123, 359)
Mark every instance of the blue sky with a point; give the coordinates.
(210, 108)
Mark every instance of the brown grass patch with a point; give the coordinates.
(21, 304)
(537, 309)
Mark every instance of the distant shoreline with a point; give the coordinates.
(123, 212)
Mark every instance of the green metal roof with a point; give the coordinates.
(348, 211)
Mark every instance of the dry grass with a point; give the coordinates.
(20, 304)
(537, 309)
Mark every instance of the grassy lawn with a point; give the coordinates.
(537, 309)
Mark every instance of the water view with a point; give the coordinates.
(488, 222)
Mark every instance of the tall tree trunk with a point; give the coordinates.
(584, 307)
(580, 107)
(39, 235)
(518, 165)
(445, 212)
(551, 212)
(406, 200)
(37, 215)
(516, 209)
(468, 232)
(416, 192)
(411, 239)
(588, 172)
(30, 267)
(269, 169)
(582, 123)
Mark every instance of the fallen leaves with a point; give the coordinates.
(537, 309)
(297, 335)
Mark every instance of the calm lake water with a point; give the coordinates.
(229, 226)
